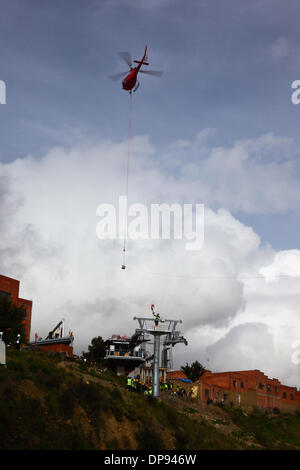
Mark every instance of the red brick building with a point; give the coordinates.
(10, 288)
(248, 388)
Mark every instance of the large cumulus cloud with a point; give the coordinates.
(224, 293)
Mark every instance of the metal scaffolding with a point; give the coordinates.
(159, 328)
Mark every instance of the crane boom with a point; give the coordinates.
(50, 334)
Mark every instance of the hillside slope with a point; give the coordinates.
(48, 403)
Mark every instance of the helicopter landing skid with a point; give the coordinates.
(136, 86)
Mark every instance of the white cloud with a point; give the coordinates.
(251, 176)
(285, 263)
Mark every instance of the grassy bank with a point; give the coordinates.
(47, 403)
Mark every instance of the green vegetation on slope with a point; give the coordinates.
(270, 431)
(47, 403)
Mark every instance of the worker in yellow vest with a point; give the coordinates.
(129, 384)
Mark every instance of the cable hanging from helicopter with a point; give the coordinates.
(130, 83)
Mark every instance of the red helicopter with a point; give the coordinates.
(130, 81)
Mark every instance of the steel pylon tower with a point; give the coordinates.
(158, 329)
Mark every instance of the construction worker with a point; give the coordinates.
(156, 316)
(129, 384)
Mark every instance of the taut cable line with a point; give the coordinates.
(127, 178)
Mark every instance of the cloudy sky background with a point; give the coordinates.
(218, 128)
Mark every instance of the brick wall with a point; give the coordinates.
(251, 388)
(11, 286)
(57, 348)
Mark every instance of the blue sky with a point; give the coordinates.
(217, 128)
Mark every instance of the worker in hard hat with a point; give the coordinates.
(129, 384)
(156, 315)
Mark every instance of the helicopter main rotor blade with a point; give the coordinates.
(117, 76)
(155, 73)
(127, 57)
